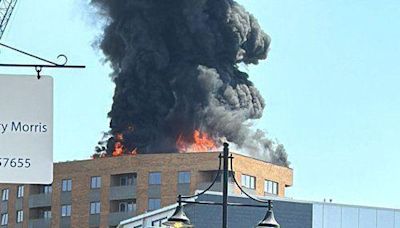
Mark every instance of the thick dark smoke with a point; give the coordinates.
(176, 70)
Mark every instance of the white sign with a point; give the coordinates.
(26, 129)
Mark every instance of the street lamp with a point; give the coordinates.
(269, 219)
(179, 218)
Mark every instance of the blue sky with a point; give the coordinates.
(331, 86)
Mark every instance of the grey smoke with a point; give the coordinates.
(176, 70)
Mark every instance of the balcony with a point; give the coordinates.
(39, 200)
(122, 192)
(116, 217)
(40, 223)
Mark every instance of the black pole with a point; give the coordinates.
(225, 187)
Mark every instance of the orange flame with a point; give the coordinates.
(118, 149)
(118, 146)
(201, 143)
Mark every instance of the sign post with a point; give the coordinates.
(26, 129)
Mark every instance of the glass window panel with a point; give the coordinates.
(155, 178)
(95, 182)
(367, 218)
(184, 177)
(47, 214)
(252, 182)
(20, 216)
(47, 189)
(265, 185)
(4, 194)
(130, 180)
(123, 181)
(94, 208)
(349, 217)
(131, 206)
(65, 210)
(66, 185)
(20, 191)
(275, 188)
(385, 218)
(271, 187)
(122, 207)
(4, 219)
(248, 181)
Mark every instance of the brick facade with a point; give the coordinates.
(202, 167)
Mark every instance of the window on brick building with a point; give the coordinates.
(20, 216)
(127, 179)
(95, 182)
(47, 214)
(127, 206)
(47, 189)
(66, 210)
(4, 194)
(4, 219)
(271, 187)
(66, 185)
(20, 191)
(248, 181)
(184, 177)
(94, 208)
(155, 178)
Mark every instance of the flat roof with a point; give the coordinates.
(172, 153)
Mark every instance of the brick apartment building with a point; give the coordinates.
(102, 192)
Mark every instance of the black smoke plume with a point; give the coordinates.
(176, 70)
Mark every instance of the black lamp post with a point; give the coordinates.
(179, 218)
